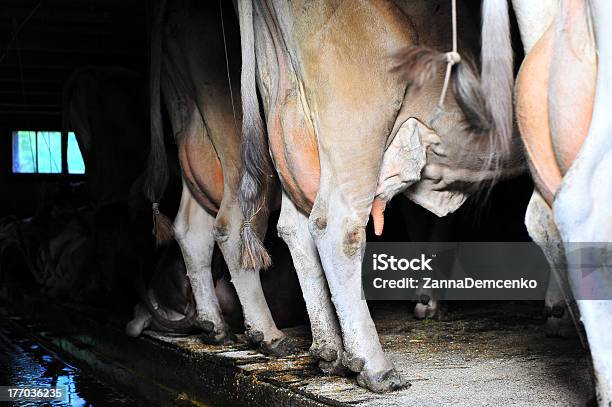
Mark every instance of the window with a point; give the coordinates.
(40, 152)
(76, 165)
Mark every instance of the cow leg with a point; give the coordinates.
(427, 306)
(582, 210)
(326, 336)
(260, 327)
(419, 228)
(559, 322)
(423, 226)
(596, 317)
(340, 240)
(194, 234)
(542, 229)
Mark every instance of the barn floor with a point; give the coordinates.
(480, 354)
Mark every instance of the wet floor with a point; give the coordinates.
(24, 362)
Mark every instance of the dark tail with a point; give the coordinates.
(255, 159)
(485, 99)
(157, 165)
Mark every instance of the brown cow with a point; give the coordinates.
(193, 50)
(345, 136)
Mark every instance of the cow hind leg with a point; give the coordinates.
(194, 234)
(423, 226)
(542, 229)
(260, 328)
(340, 240)
(427, 306)
(327, 345)
(559, 322)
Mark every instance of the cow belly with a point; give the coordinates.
(572, 83)
(532, 116)
(293, 145)
(202, 171)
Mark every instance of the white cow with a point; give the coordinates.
(564, 100)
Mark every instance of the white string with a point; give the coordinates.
(18, 30)
(227, 68)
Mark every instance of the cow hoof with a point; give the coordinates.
(326, 353)
(207, 327)
(335, 368)
(223, 337)
(558, 323)
(280, 347)
(223, 340)
(560, 327)
(353, 363)
(427, 310)
(382, 382)
(255, 337)
(329, 360)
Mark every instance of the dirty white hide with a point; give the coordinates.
(569, 143)
(345, 138)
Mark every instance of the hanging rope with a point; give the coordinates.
(453, 57)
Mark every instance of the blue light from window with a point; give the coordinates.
(49, 152)
(24, 152)
(41, 152)
(76, 165)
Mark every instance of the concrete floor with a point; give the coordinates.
(481, 355)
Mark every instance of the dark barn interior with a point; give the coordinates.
(43, 43)
(73, 326)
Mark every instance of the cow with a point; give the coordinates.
(194, 46)
(563, 99)
(344, 136)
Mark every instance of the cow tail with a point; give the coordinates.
(487, 101)
(254, 156)
(157, 164)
